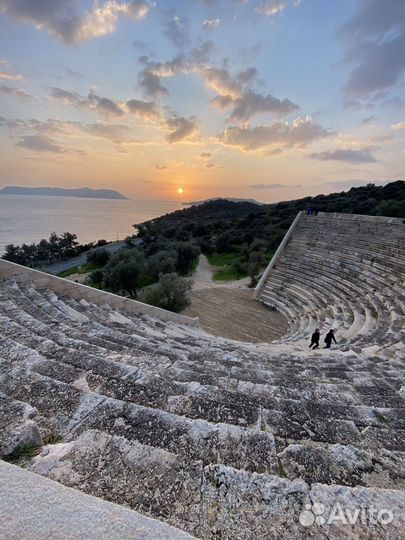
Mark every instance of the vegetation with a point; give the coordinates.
(22, 455)
(56, 248)
(134, 268)
(52, 438)
(241, 237)
(124, 270)
(230, 266)
(98, 257)
(84, 269)
(170, 292)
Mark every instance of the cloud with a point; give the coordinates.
(116, 133)
(180, 129)
(143, 109)
(149, 77)
(251, 103)
(213, 165)
(367, 120)
(379, 66)
(224, 84)
(205, 155)
(104, 106)
(162, 167)
(234, 94)
(234, 91)
(398, 126)
(33, 125)
(177, 30)
(375, 51)
(39, 143)
(69, 98)
(271, 8)
(60, 19)
(274, 186)
(6, 75)
(75, 74)
(362, 155)
(11, 91)
(280, 135)
(210, 24)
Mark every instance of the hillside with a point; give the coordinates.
(243, 222)
(225, 226)
(232, 199)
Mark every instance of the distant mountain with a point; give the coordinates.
(232, 199)
(86, 193)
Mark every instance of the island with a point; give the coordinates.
(231, 199)
(86, 193)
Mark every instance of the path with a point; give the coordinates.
(202, 277)
(227, 308)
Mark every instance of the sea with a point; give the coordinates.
(27, 219)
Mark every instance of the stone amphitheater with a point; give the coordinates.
(195, 436)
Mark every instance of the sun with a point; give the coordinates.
(180, 191)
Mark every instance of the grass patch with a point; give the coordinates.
(226, 270)
(380, 417)
(52, 438)
(84, 269)
(222, 259)
(227, 273)
(22, 455)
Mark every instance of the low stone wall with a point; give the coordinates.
(78, 291)
(35, 508)
(276, 256)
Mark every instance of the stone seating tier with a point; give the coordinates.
(219, 438)
(345, 272)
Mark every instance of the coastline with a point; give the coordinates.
(24, 219)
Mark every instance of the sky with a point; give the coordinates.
(270, 99)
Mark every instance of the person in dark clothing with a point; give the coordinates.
(315, 339)
(330, 336)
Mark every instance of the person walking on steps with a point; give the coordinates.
(330, 336)
(315, 339)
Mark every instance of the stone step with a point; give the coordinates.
(207, 501)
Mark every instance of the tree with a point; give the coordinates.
(13, 253)
(67, 244)
(169, 293)
(96, 277)
(187, 254)
(124, 271)
(162, 262)
(391, 208)
(101, 242)
(99, 257)
(257, 260)
(130, 241)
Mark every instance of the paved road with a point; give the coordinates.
(62, 266)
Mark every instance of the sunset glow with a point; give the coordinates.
(257, 99)
(180, 191)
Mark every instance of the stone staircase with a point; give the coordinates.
(345, 272)
(221, 439)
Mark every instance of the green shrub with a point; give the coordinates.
(99, 257)
(169, 293)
